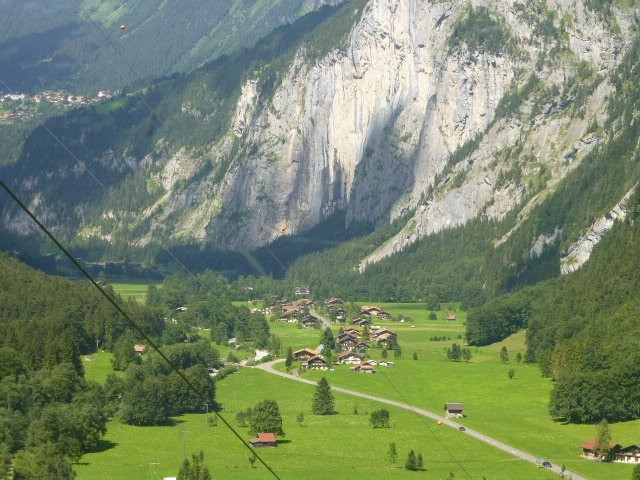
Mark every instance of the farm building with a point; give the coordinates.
(454, 409)
(304, 354)
(452, 318)
(140, 348)
(263, 440)
(590, 447)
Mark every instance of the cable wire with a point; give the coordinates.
(130, 321)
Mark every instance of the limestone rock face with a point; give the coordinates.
(400, 121)
(580, 251)
(370, 128)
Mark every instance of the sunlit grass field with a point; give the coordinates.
(136, 290)
(99, 368)
(512, 410)
(340, 447)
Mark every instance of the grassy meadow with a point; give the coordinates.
(339, 447)
(99, 368)
(136, 290)
(511, 410)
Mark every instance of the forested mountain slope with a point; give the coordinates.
(51, 45)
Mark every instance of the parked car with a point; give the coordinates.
(546, 464)
(462, 429)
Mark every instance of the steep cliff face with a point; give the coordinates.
(437, 111)
(371, 128)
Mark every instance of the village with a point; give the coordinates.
(20, 106)
(355, 337)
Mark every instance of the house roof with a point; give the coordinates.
(347, 353)
(630, 448)
(592, 444)
(316, 358)
(451, 317)
(454, 406)
(306, 350)
(140, 347)
(267, 437)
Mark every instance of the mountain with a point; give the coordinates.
(416, 115)
(78, 45)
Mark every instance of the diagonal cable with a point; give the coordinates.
(129, 320)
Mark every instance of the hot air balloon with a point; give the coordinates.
(123, 27)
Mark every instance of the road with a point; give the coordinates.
(268, 367)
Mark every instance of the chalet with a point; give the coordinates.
(361, 322)
(452, 318)
(590, 447)
(303, 303)
(317, 363)
(310, 322)
(334, 302)
(360, 347)
(347, 342)
(384, 363)
(263, 440)
(352, 331)
(304, 354)
(454, 410)
(364, 367)
(350, 358)
(303, 291)
(370, 311)
(630, 454)
(140, 348)
(385, 338)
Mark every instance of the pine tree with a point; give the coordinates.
(397, 352)
(504, 355)
(415, 355)
(327, 339)
(384, 353)
(194, 470)
(289, 360)
(604, 438)
(420, 462)
(300, 418)
(323, 402)
(511, 373)
(412, 461)
(519, 357)
(392, 453)
(636, 473)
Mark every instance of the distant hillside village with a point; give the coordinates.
(17, 106)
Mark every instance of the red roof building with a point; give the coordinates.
(264, 440)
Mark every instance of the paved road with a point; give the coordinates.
(268, 367)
